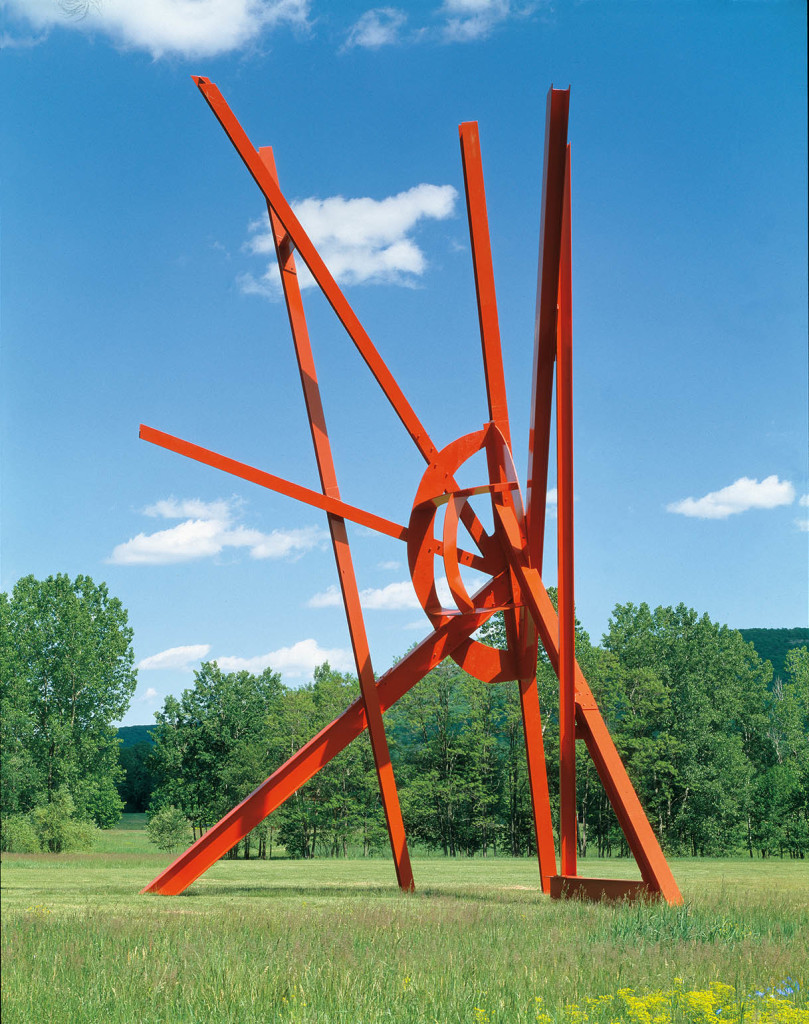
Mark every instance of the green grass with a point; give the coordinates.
(334, 941)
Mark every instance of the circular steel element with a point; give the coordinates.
(438, 488)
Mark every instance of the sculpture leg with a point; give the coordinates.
(339, 538)
(335, 737)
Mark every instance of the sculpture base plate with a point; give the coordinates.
(574, 887)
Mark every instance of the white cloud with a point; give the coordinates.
(803, 525)
(300, 659)
(390, 598)
(468, 20)
(213, 530)
(149, 697)
(389, 565)
(191, 28)
(328, 598)
(393, 597)
(190, 508)
(804, 500)
(175, 657)
(361, 241)
(739, 496)
(380, 26)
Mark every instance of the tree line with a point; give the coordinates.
(717, 748)
(718, 753)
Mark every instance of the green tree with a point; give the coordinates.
(57, 828)
(696, 733)
(215, 743)
(168, 829)
(66, 661)
(780, 805)
(339, 808)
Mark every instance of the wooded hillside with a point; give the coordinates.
(773, 645)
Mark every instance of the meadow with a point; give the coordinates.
(333, 941)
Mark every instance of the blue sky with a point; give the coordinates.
(137, 288)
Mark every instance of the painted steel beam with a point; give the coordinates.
(342, 551)
(550, 240)
(314, 498)
(318, 269)
(568, 831)
(484, 277)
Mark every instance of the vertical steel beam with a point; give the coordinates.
(339, 537)
(484, 277)
(550, 236)
(520, 632)
(564, 534)
(521, 636)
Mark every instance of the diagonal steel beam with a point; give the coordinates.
(632, 818)
(318, 269)
(338, 302)
(311, 757)
(487, 564)
(339, 537)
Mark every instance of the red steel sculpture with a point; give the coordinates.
(510, 556)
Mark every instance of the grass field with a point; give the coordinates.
(334, 941)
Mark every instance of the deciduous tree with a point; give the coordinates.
(66, 661)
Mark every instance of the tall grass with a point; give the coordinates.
(334, 941)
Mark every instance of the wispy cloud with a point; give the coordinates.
(468, 20)
(212, 529)
(149, 697)
(389, 565)
(190, 28)
(740, 496)
(12, 42)
(393, 597)
(190, 508)
(362, 240)
(381, 26)
(300, 659)
(453, 21)
(181, 658)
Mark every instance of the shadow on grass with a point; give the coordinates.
(366, 891)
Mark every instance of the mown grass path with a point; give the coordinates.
(334, 941)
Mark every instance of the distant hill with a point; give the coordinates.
(129, 735)
(772, 644)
